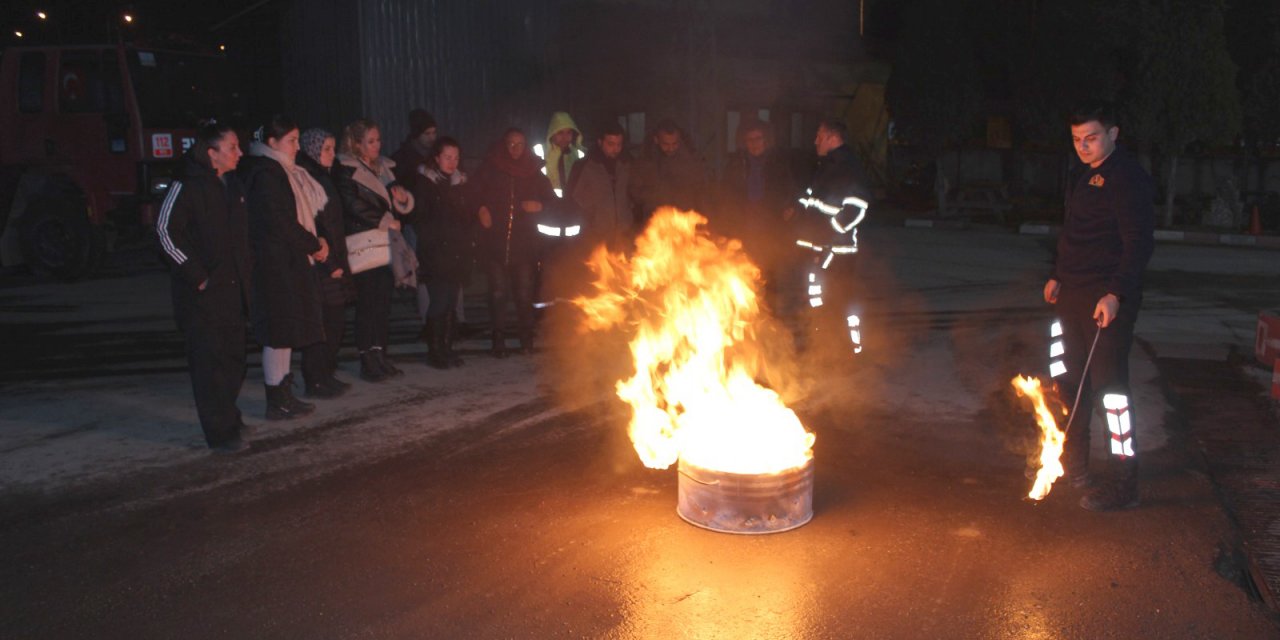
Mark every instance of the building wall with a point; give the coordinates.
(320, 55)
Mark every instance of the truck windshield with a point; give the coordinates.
(177, 90)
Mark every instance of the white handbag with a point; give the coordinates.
(368, 250)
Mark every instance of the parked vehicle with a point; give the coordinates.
(91, 137)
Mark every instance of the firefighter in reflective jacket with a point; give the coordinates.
(1096, 285)
(826, 230)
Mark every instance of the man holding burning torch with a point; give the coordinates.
(1106, 241)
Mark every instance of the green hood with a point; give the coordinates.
(560, 121)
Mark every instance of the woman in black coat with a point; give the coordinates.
(333, 276)
(445, 227)
(511, 191)
(372, 200)
(283, 201)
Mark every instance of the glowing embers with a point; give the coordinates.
(1052, 439)
(690, 304)
(1117, 406)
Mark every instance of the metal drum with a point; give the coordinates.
(746, 503)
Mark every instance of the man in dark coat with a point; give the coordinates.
(755, 194)
(511, 191)
(1096, 284)
(203, 230)
(668, 174)
(599, 186)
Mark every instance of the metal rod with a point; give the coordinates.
(1083, 375)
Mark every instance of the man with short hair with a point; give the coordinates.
(1103, 248)
(669, 173)
(755, 192)
(826, 231)
(598, 186)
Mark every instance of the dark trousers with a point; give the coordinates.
(215, 354)
(1108, 371)
(373, 307)
(444, 298)
(515, 282)
(320, 360)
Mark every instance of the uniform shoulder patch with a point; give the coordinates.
(1097, 180)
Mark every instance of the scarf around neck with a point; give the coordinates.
(308, 196)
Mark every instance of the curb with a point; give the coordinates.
(1161, 235)
(1183, 237)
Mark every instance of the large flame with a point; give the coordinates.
(1052, 438)
(693, 303)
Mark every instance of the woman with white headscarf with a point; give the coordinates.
(283, 200)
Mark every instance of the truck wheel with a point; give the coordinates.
(57, 237)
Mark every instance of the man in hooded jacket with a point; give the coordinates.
(562, 151)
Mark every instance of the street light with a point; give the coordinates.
(128, 18)
(17, 33)
(42, 15)
(222, 47)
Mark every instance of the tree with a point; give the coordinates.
(934, 93)
(1180, 80)
(1053, 68)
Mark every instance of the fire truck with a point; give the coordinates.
(90, 139)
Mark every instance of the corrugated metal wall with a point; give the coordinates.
(321, 57)
(478, 66)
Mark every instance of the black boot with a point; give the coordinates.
(370, 369)
(280, 402)
(384, 361)
(436, 356)
(1117, 495)
(324, 389)
(447, 329)
(499, 348)
(299, 407)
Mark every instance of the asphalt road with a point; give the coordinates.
(551, 528)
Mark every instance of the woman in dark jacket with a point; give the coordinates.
(204, 231)
(511, 191)
(283, 200)
(372, 200)
(445, 227)
(333, 276)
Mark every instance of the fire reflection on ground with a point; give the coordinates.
(691, 588)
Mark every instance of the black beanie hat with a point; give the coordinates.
(419, 121)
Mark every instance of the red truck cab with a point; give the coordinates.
(92, 135)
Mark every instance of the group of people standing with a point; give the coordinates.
(265, 239)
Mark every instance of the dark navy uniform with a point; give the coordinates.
(204, 232)
(1104, 246)
(826, 234)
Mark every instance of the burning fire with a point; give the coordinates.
(1051, 437)
(693, 303)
